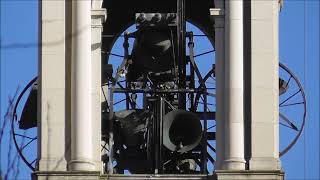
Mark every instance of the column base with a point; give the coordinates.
(249, 175)
(234, 164)
(81, 165)
(65, 175)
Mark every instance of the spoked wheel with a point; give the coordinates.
(210, 85)
(25, 133)
(291, 99)
(292, 108)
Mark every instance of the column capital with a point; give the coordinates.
(98, 16)
(216, 12)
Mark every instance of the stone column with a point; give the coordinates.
(217, 14)
(234, 90)
(98, 16)
(81, 78)
(264, 85)
(51, 96)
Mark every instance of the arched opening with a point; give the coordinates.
(205, 60)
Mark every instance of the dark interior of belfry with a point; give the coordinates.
(165, 132)
(121, 14)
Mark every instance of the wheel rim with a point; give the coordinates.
(19, 138)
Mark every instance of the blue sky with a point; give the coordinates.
(299, 50)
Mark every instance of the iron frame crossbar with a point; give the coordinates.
(159, 91)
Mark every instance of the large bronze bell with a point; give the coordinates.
(182, 131)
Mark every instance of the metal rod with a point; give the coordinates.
(111, 36)
(34, 161)
(113, 54)
(155, 91)
(110, 166)
(193, 63)
(210, 158)
(211, 147)
(24, 136)
(201, 54)
(181, 29)
(27, 144)
(120, 101)
(127, 95)
(291, 104)
(157, 143)
(161, 114)
(200, 35)
(204, 150)
(192, 85)
(293, 126)
(289, 97)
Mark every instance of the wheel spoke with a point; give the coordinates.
(211, 147)
(213, 78)
(110, 83)
(132, 103)
(211, 127)
(292, 104)
(290, 97)
(24, 136)
(210, 104)
(119, 101)
(113, 54)
(201, 54)
(210, 158)
(288, 81)
(200, 35)
(28, 143)
(291, 124)
(285, 125)
(33, 161)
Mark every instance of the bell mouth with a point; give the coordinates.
(182, 131)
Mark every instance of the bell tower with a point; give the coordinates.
(82, 135)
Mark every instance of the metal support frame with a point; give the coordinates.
(193, 63)
(202, 86)
(204, 140)
(158, 93)
(120, 69)
(159, 141)
(181, 30)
